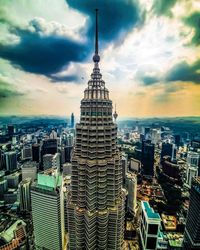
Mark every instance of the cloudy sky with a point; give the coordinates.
(150, 55)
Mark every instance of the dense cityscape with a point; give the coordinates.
(158, 165)
(98, 182)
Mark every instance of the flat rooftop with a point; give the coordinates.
(149, 211)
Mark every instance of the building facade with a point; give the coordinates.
(149, 227)
(96, 200)
(192, 229)
(48, 211)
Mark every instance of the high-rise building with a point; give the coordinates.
(131, 187)
(48, 210)
(25, 195)
(11, 160)
(29, 170)
(68, 152)
(96, 199)
(47, 161)
(192, 167)
(49, 146)
(149, 227)
(10, 128)
(166, 149)
(147, 159)
(192, 229)
(26, 152)
(51, 161)
(72, 120)
(36, 152)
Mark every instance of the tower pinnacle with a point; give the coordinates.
(115, 115)
(96, 57)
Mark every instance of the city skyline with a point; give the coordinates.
(150, 68)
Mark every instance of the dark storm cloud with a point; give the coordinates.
(182, 72)
(149, 80)
(49, 53)
(42, 54)
(116, 17)
(69, 78)
(185, 73)
(194, 22)
(7, 91)
(163, 7)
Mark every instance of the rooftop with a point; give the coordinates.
(149, 211)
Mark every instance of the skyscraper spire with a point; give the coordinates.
(96, 57)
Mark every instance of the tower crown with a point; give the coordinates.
(96, 86)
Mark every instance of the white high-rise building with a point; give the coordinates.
(24, 195)
(131, 187)
(192, 167)
(149, 227)
(29, 170)
(11, 160)
(48, 210)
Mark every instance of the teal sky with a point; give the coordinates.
(150, 55)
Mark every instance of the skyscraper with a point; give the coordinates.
(72, 120)
(149, 227)
(48, 210)
(25, 195)
(192, 228)
(11, 160)
(147, 159)
(96, 200)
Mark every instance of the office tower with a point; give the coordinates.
(166, 149)
(149, 227)
(11, 160)
(96, 199)
(29, 170)
(25, 195)
(51, 161)
(36, 152)
(177, 140)
(147, 133)
(192, 229)
(124, 161)
(131, 187)
(1, 159)
(67, 169)
(53, 135)
(191, 172)
(3, 184)
(147, 159)
(10, 128)
(174, 150)
(47, 161)
(193, 159)
(135, 165)
(192, 167)
(155, 136)
(56, 161)
(26, 152)
(68, 152)
(13, 179)
(49, 146)
(72, 120)
(48, 210)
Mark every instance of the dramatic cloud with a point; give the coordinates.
(46, 47)
(117, 17)
(194, 22)
(163, 7)
(42, 51)
(7, 90)
(185, 73)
